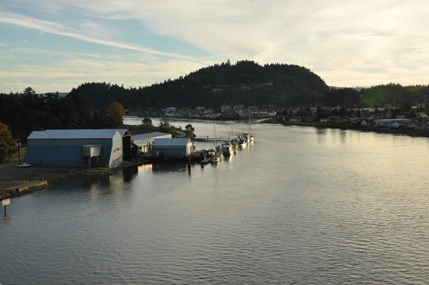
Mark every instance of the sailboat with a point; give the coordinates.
(218, 153)
(251, 138)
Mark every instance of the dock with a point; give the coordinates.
(23, 188)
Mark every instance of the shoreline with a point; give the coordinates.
(399, 131)
(16, 181)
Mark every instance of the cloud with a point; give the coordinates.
(344, 41)
(58, 29)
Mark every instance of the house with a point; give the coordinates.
(212, 115)
(178, 147)
(395, 125)
(76, 148)
(225, 108)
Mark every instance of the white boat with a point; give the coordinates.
(218, 151)
(227, 150)
(242, 141)
(206, 160)
(251, 138)
(215, 159)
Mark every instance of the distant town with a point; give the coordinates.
(412, 119)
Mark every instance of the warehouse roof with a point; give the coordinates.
(149, 135)
(170, 142)
(77, 134)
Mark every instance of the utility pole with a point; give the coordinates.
(18, 144)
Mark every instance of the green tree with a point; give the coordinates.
(189, 128)
(190, 132)
(29, 91)
(407, 106)
(320, 113)
(165, 124)
(147, 122)
(343, 111)
(7, 143)
(115, 113)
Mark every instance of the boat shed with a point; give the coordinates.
(143, 141)
(107, 147)
(178, 147)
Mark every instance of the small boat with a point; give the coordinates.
(227, 150)
(216, 159)
(206, 160)
(242, 141)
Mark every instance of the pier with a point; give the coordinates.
(23, 188)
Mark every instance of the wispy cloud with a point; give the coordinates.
(344, 41)
(58, 29)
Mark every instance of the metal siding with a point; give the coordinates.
(171, 142)
(63, 152)
(169, 151)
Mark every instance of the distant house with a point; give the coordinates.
(179, 147)
(394, 125)
(225, 108)
(212, 115)
(364, 123)
(415, 126)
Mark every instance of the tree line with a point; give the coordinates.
(27, 111)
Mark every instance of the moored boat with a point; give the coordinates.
(206, 160)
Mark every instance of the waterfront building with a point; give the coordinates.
(110, 147)
(178, 147)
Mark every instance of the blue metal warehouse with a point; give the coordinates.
(105, 147)
(172, 147)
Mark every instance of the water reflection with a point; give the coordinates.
(6, 220)
(130, 173)
(162, 168)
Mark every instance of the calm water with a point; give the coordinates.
(300, 206)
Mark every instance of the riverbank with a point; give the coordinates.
(30, 179)
(399, 131)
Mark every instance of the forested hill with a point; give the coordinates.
(245, 83)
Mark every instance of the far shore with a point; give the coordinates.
(399, 131)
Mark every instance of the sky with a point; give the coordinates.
(56, 45)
